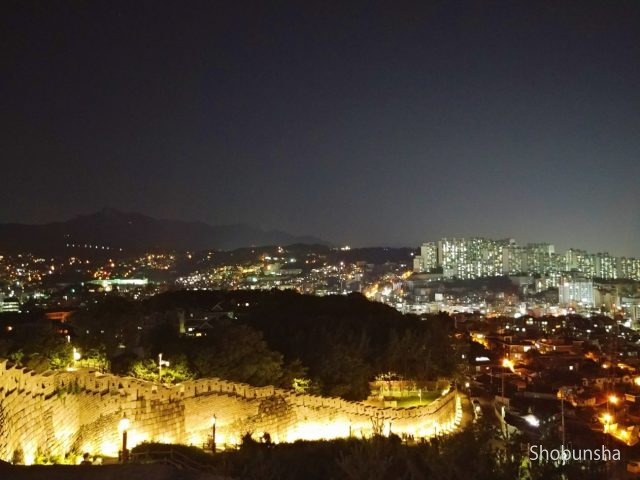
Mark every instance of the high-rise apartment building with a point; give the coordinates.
(514, 260)
(572, 292)
(605, 266)
(428, 258)
(628, 268)
(539, 258)
(463, 257)
(580, 261)
(482, 257)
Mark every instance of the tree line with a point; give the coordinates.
(329, 345)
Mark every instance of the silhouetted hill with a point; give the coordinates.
(132, 232)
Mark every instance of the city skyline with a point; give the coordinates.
(362, 124)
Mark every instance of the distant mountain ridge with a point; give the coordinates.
(135, 232)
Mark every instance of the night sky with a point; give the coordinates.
(368, 124)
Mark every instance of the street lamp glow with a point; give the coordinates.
(76, 354)
(124, 424)
(506, 363)
(607, 418)
(613, 399)
(532, 420)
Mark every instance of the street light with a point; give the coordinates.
(76, 356)
(607, 419)
(506, 363)
(161, 363)
(613, 399)
(213, 434)
(123, 426)
(562, 393)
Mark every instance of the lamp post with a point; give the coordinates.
(563, 392)
(607, 419)
(123, 426)
(506, 363)
(161, 363)
(213, 435)
(76, 356)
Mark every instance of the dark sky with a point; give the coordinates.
(358, 122)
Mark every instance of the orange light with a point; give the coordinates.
(506, 363)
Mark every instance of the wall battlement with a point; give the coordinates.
(55, 413)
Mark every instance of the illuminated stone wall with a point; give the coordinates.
(56, 413)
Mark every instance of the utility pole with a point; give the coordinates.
(213, 435)
(562, 392)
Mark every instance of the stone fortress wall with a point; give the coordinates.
(55, 413)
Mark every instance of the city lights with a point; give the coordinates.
(358, 230)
